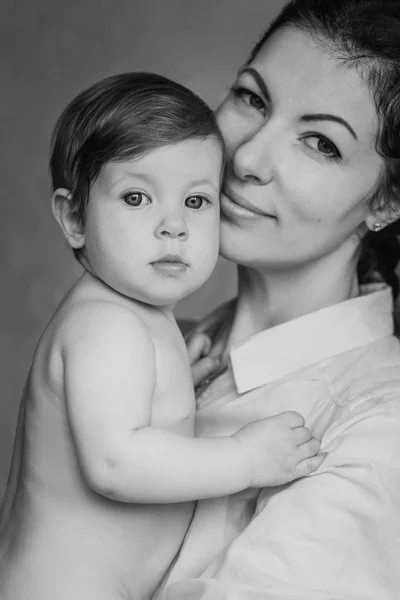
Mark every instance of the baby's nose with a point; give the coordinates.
(172, 227)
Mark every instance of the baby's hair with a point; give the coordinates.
(119, 118)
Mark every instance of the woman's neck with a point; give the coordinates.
(269, 298)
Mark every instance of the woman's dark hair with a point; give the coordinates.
(364, 34)
(119, 118)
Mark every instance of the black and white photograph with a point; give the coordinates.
(200, 309)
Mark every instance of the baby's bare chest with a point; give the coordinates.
(173, 400)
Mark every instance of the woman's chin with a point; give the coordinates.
(232, 245)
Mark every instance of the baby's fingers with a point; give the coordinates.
(302, 435)
(308, 449)
(198, 346)
(308, 465)
(203, 369)
(292, 419)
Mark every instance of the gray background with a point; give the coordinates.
(49, 51)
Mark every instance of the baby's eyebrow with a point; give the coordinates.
(329, 117)
(201, 182)
(132, 174)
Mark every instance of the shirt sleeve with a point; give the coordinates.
(334, 535)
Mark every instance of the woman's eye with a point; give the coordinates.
(136, 199)
(249, 98)
(323, 146)
(196, 202)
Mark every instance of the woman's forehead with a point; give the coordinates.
(304, 76)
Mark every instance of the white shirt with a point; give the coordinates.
(334, 535)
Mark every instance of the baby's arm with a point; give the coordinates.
(110, 376)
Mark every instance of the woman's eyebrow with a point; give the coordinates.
(328, 117)
(305, 118)
(259, 80)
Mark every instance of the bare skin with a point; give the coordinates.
(57, 533)
(106, 465)
(66, 534)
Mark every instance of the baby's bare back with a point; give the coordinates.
(59, 538)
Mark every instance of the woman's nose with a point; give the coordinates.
(172, 226)
(251, 160)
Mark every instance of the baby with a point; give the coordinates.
(109, 463)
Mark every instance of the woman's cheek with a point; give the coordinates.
(227, 127)
(233, 125)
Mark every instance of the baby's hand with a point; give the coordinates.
(279, 449)
(201, 363)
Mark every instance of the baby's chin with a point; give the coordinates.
(159, 298)
(170, 288)
(164, 301)
(164, 287)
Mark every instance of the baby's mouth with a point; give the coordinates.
(170, 264)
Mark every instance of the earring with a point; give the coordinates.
(377, 226)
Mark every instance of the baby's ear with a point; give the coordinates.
(61, 203)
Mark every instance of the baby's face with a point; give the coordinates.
(152, 223)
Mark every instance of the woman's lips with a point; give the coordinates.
(235, 205)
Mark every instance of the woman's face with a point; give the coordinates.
(300, 131)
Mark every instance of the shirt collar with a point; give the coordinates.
(281, 350)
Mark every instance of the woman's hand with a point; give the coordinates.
(202, 364)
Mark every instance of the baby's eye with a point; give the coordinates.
(197, 202)
(136, 199)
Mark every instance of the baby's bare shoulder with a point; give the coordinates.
(84, 326)
(99, 320)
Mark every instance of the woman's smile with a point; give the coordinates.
(284, 137)
(235, 205)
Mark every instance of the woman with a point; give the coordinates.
(309, 211)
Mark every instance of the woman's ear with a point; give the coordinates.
(67, 218)
(382, 215)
